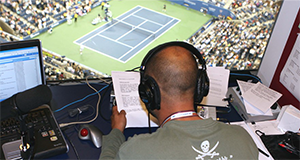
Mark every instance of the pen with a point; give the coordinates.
(288, 147)
(264, 153)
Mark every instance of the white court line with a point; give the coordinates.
(116, 41)
(118, 21)
(105, 28)
(94, 43)
(138, 26)
(124, 35)
(147, 20)
(86, 35)
(158, 12)
(130, 30)
(89, 38)
(97, 51)
(153, 32)
(148, 38)
(134, 47)
(131, 48)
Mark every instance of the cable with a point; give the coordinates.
(75, 150)
(149, 123)
(133, 69)
(80, 99)
(105, 81)
(249, 75)
(97, 107)
(79, 110)
(77, 118)
(88, 115)
(224, 120)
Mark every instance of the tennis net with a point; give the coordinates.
(135, 28)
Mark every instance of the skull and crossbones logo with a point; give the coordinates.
(205, 150)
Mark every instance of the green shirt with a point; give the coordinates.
(200, 139)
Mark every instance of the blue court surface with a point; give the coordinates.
(128, 34)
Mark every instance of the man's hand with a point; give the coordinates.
(118, 119)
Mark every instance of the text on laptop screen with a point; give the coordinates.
(20, 69)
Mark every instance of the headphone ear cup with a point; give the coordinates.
(202, 86)
(205, 83)
(150, 93)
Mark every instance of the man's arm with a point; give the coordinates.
(112, 142)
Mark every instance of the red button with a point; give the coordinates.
(84, 132)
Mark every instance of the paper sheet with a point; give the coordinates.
(244, 87)
(127, 97)
(218, 78)
(268, 127)
(256, 139)
(290, 74)
(261, 97)
(289, 119)
(254, 111)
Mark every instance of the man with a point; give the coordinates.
(164, 8)
(182, 133)
(75, 17)
(81, 49)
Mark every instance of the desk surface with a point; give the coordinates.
(77, 95)
(66, 94)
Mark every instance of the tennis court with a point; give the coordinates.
(129, 33)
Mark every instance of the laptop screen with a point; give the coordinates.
(21, 67)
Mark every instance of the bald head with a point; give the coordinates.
(175, 70)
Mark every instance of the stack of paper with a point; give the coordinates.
(218, 86)
(289, 118)
(258, 98)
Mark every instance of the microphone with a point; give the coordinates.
(25, 101)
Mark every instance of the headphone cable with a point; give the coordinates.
(149, 123)
(133, 69)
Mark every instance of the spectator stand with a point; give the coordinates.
(67, 8)
(6, 37)
(205, 6)
(59, 67)
(31, 18)
(195, 37)
(20, 26)
(223, 42)
(237, 44)
(72, 69)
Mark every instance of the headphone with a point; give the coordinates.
(148, 88)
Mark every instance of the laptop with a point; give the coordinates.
(22, 68)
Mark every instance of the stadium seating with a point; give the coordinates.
(223, 42)
(55, 65)
(237, 44)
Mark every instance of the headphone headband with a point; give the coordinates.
(149, 90)
(160, 47)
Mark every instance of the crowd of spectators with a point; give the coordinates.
(218, 3)
(17, 23)
(59, 68)
(5, 37)
(252, 9)
(27, 17)
(238, 44)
